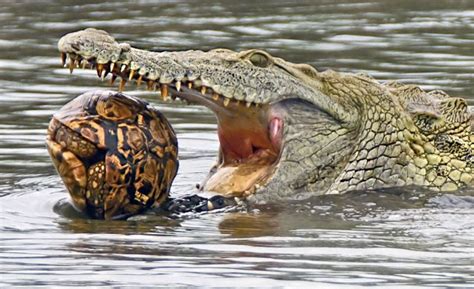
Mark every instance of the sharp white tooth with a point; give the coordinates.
(112, 65)
(248, 104)
(226, 101)
(203, 90)
(149, 85)
(63, 58)
(164, 92)
(139, 80)
(131, 75)
(72, 65)
(210, 206)
(215, 96)
(122, 69)
(102, 74)
(178, 85)
(239, 200)
(122, 84)
(112, 79)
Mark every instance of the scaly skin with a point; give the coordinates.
(288, 131)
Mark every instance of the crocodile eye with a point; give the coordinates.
(260, 60)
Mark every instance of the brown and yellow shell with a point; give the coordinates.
(116, 154)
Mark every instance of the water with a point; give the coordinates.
(395, 240)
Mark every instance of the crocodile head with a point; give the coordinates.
(287, 131)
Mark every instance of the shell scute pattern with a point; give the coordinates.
(111, 150)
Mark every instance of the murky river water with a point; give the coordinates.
(395, 239)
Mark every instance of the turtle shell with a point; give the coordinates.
(116, 154)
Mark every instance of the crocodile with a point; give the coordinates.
(289, 131)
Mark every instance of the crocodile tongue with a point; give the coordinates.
(246, 137)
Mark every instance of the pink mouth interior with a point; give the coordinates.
(251, 137)
(250, 143)
(251, 140)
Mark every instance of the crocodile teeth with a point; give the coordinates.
(149, 85)
(226, 101)
(139, 80)
(84, 63)
(63, 58)
(112, 79)
(103, 70)
(99, 68)
(122, 84)
(72, 64)
(210, 206)
(132, 73)
(164, 91)
(103, 74)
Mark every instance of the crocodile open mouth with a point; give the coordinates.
(250, 134)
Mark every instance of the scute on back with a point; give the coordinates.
(443, 120)
(116, 154)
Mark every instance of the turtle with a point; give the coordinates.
(116, 154)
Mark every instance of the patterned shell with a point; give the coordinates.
(116, 154)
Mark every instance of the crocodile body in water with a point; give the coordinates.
(288, 131)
